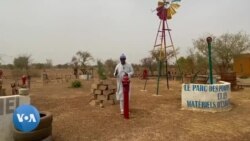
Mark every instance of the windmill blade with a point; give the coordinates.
(166, 10)
(169, 15)
(172, 11)
(176, 0)
(160, 3)
(175, 5)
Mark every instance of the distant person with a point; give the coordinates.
(169, 74)
(76, 72)
(145, 74)
(121, 69)
(45, 78)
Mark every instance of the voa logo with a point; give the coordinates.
(22, 117)
(26, 118)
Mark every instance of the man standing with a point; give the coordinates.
(122, 69)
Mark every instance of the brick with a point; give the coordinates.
(102, 97)
(112, 87)
(107, 82)
(94, 86)
(100, 82)
(102, 87)
(99, 92)
(112, 97)
(107, 92)
(111, 102)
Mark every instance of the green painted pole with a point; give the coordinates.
(209, 40)
(167, 73)
(159, 75)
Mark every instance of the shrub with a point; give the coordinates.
(101, 71)
(76, 84)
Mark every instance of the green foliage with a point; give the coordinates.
(224, 49)
(22, 62)
(109, 66)
(62, 66)
(192, 64)
(83, 58)
(101, 71)
(76, 84)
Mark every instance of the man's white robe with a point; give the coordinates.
(122, 69)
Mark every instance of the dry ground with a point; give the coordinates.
(153, 118)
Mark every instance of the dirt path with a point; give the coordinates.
(153, 118)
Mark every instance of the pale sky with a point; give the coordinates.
(57, 29)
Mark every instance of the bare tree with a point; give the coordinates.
(224, 48)
(22, 62)
(21, 65)
(109, 65)
(74, 62)
(149, 63)
(49, 63)
(84, 57)
(160, 54)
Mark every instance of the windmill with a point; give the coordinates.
(165, 11)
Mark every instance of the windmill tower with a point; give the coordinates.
(163, 49)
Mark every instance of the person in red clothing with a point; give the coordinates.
(145, 74)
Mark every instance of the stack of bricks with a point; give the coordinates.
(2, 91)
(103, 91)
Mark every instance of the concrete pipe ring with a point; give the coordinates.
(46, 119)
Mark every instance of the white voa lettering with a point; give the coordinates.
(32, 118)
(20, 117)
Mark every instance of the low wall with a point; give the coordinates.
(8, 104)
(206, 97)
(85, 77)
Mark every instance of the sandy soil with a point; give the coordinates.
(153, 118)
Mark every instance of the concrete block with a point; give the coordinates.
(112, 97)
(102, 87)
(107, 82)
(94, 86)
(111, 87)
(112, 102)
(23, 91)
(107, 92)
(102, 97)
